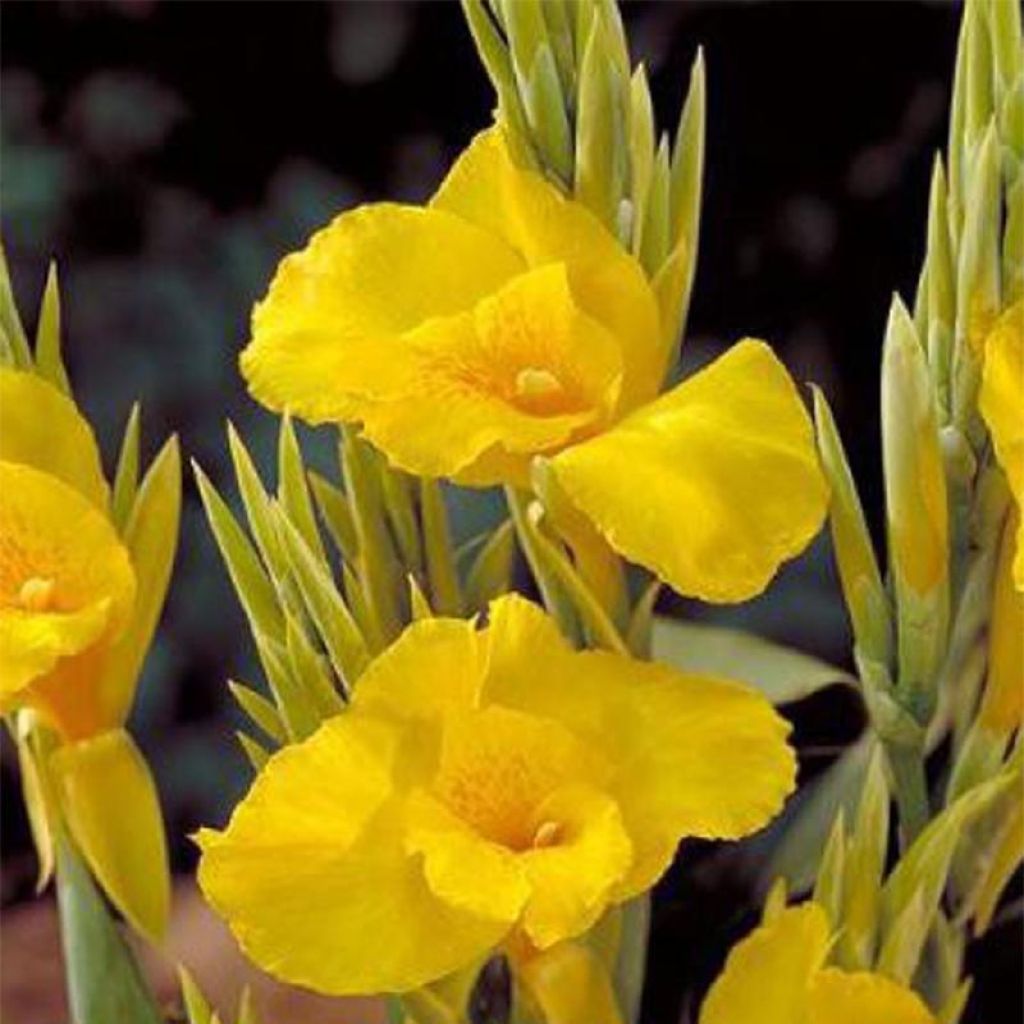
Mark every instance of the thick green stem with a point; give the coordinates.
(911, 789)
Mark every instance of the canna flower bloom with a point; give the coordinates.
(486, 788)
(1002, 405)
(777, 975)
(78, 606)
(501, 323)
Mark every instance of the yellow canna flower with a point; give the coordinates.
(1001, 401)
(503, 322)
(78, 606)
(777, 975)
(486, 787)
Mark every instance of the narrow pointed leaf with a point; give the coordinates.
(126, 476)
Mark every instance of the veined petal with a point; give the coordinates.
(65, 577)
(1001, 400)
(41, 427)
(112, 809)
(487, 188)
(313, 876)
(768, 974)
(862, 998)
(522, 373)
(713, 485)
(370, 276)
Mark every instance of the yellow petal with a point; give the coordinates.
(1002, 706)
(692, 756)
(112, 809)
(65, 578)
(574, 872)
(713, 485)
(571, 985)
(767, 976)
(523, 373)
(487, 188)
(370, 276)
(41, 427)
(1001, 400)
(464, 868)
(313, 876)
(861, 998)
(434, 667)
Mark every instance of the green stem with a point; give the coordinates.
(911, 789)
(552, 592)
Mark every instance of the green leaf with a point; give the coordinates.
(863, 591)
(865, 864)
(104, 981)
(254, 589)
(380, 571)
(901, 949)
(640, 633)
(601, 151)
(259, 709)
(687, 175)
(151, 537)
(298, 710)
(196, 1007)
(10, 321)
(546, 110)
(924, 870)
(552, 563)
(654, 246)
(49, 363)
(829, 885)
(337, 516)
(126, 476)
(257, 504)
(641, 151)
(397, 491)
(792, 846)
(256, 754)
(445, 592)
(292, 491)
(309, 669)
(780, 673)
(334, 622)
(491, 572)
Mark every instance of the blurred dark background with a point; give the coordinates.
(169, 153)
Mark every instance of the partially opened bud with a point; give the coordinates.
(915, 488)
(861, 580)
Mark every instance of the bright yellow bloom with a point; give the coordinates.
(486, 786)
(503, 322)
(777, 975)
(1002, 404)
(78, 606)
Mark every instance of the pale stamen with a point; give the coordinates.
(36, 594)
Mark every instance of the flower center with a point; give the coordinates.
(37, 594)
(499, 766)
